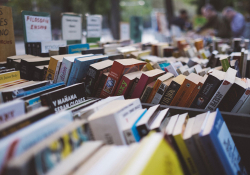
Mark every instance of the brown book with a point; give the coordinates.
(192, 96)
(186, 89)
(147, 92)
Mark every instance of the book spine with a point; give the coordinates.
(146, 94)
(73, 73)
(122, 87)
(128, 134)
(101, 85)
(206, 93)
(10, 76)
(172, 70)
(99, 76)
(90, 81)
(241, 101)
(63, 71)
(37, 76)
(131, 90)
(154, 90)
(218, 96)
(142, 130)
(57, 71)
(192, 96)
(170, 93)
(144, 80)
(225, 64)
(45, 69)
(159, 94)
(51, 69)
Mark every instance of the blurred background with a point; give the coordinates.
(115, 11)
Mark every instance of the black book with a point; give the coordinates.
(44, 55)
(6, 70)
(16, 57)
(131, 90)
(101, 83)
(3, 64)
(38, 73)
(115, 56)
(237, 44)
(65, 97)
(143, 125)
(213, 59)
(20, 122)
(248, 68)
(38, 49)
(28, 48)
(94, 75)
(208, 89)
(33, 49)
(45, 69)
(233, 95)
(63, 50)
(93, 51)
(16, 64)
(28, 66)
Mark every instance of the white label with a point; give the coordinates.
(71, 27)
(52, 45)
(94, 26)
(38, 28)
(124, 31)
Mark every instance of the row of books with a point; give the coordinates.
(92, 128)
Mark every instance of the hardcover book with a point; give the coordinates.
(100, 84)
(16, 57)
(208, 89)
(118, 69)
(147, 92)
(38, 73)
(224, 62)
(77, 48)
(172, 90)
(146, 78)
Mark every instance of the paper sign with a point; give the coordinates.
(7, 38)
(38, 28)
(124, 31)
(52, 45)
(94, 26)
(71, 27)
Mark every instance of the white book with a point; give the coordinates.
(19, 142)
(86, 112)
(106, 123)
(66, 66)
(197, 68)
(189, 71)
(243, 97)
(157, 122)
(222, 90)
(172, 68)
(127, 126)
(59, 63)
(159, 94)
(11, 110)
(182, 69)
(74, 160)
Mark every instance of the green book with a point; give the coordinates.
(224, 62)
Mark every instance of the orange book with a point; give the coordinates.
(157, 85)
(192, 96)
(186, 89)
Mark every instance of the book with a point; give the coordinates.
(115, 56)
(16, 57)
(143, 125)
(38, 73)
(208, 89)
(27, 66)
(146, 78)
(157, 123)
(182, 69)
(7, 70)
(233, 95)
(215, 135)
(147, 92)
(19, 142)
(72, 136)
(93, 51)
(172, 90)
(100, 85)
(77, 48)
(127, 82)
(178, 137)
(12, 83)
(9, 76)
(66, 66)
(147, 162)
(118, 69)
(244, 66)
(23, 120)
(187, 87)
(65, 97)
(173, 67)
(80, 68)
(222, 90)
(11, 110)
(94, 75)
(158, 84)
(106, 123)
(224, 62)
(55, 62)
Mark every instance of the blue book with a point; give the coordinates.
(80, 68)
(163, 65)
(219, 145)
(34, 100)
(134, 130)
(22, 140)
(77, 48)
(25, 93)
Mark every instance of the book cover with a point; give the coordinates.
(118, 69)
(77, 48)
(147, 92)
(233, 95)
(157, 85)
(94, 75)
(208, 89)
(224, 62)
(103, 79)
(58, 66)
(38, 73)
(173, 67)
(127, 82)
(222, 90)
(65, 97)
(80, 68)
(187, 87)
(146, 78)
(172, 90)
(9, 76)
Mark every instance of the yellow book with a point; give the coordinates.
(178, 137)
(155, 157)
(149, 66)
(9, 76)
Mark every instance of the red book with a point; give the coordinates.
(118, 69)
(126, 83)
(146, 78)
